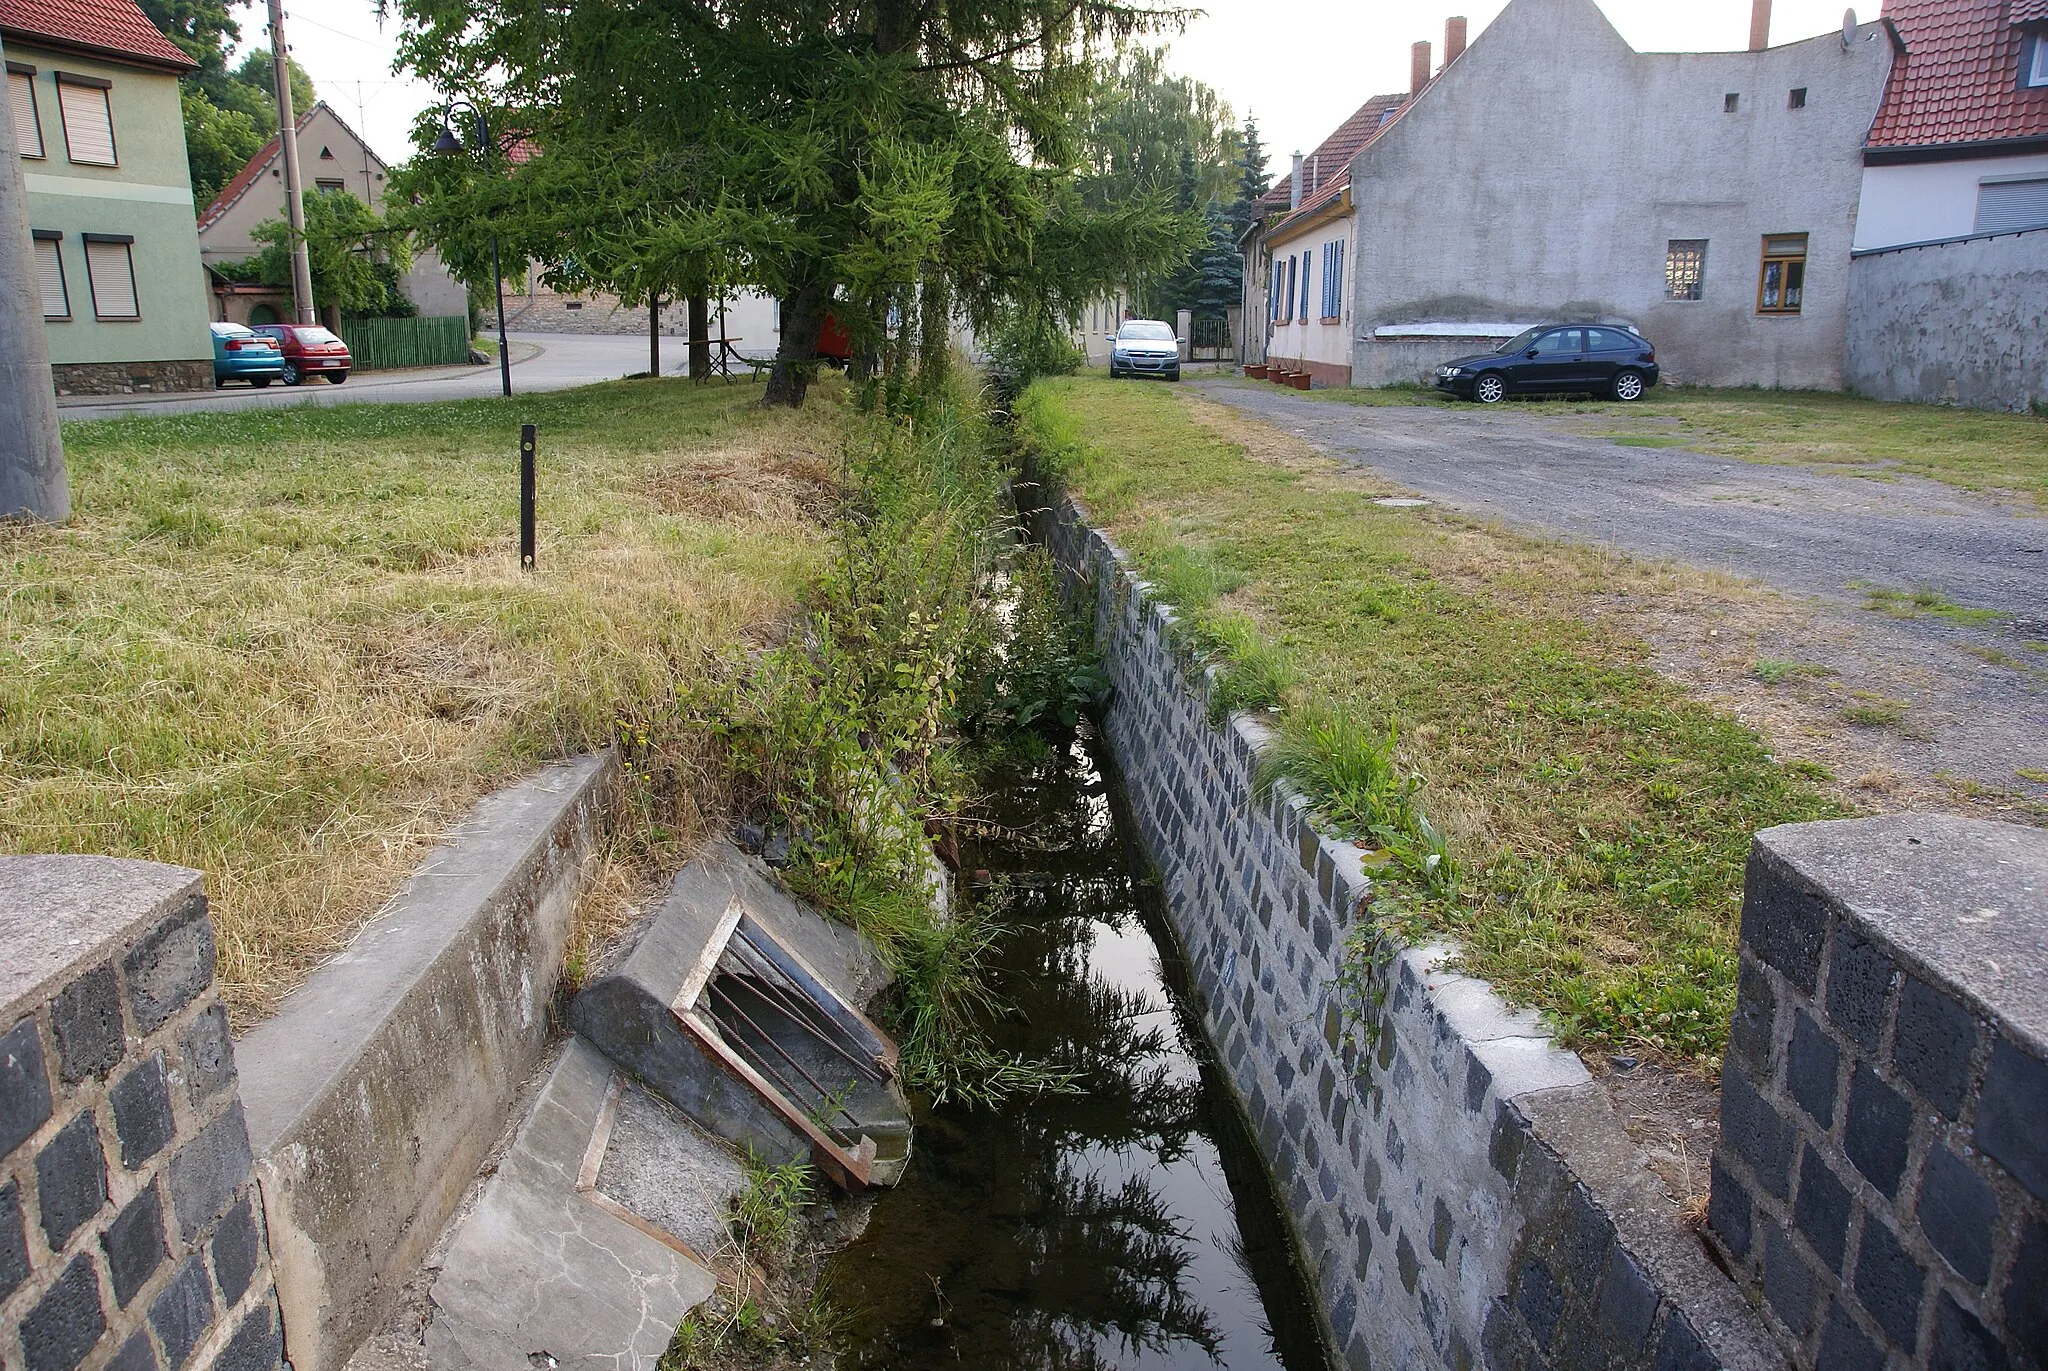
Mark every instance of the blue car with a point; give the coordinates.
(242, 354)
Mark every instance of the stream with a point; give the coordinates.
(1131, 1225)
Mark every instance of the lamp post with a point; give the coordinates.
(448, 142)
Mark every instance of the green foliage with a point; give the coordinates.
(1047, 674)
(218, 142)
(1252, 180)
(765, 1212)
(1252, 674)
(357, 259)
(228, 114)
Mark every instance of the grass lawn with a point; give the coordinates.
(1601, 817)
(288, 646)
(1966, 448)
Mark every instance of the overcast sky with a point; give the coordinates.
(1300, 69)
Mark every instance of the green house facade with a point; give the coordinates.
(93, 93)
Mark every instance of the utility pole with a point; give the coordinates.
(32, 481)
(294, 189)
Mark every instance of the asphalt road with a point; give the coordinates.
(1824, 539)
(540, 361)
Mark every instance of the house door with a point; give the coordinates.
(262, 312)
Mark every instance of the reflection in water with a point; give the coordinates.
(1126, 1226)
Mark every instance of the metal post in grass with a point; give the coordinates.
(528, 554)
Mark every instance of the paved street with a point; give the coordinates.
(1979, 692)
(540, 361)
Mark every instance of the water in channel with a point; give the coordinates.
(1128, 1226)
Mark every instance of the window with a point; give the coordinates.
(1797, 99)
(330, 187)
(2035, 72)
(1783, 279)
(1612, 340)
(88, 119)
(1287, 311)
(1559, 343)
(1333, 279)
(50, 274)
(1273, 295)
(1685, 268)
(2015, 203)
(1304, 285)
(1730, 102)
(111, 270)
(21, 99)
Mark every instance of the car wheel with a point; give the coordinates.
(220, 383)
(1629, 386)
(1490, 389)
(1173, 375)
(259, 381)
(291, 374)
(335, 378)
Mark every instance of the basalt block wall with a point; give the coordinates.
(1461, 1188)
(131, 1236)
(1882, 1176)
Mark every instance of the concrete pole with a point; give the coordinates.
(32, 479)
(294, 188)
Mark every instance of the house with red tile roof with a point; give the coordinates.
(98, 125)
(1950, 277)
(1960, 144)
(1551, 173)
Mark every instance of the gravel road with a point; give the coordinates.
(1978, 692)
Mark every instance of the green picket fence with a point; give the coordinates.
(382, 344)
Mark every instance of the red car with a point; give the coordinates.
(309, 350)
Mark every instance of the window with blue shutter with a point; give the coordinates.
(1304, 283)
(1336, 280)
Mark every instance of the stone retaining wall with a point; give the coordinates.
(131, 378)
(130, 1233)
(1882, 1176)
(1461, 1188)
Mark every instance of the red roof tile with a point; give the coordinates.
(111, 28)
(1959, 79)
(1332, 157)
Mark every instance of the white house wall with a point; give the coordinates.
(1545, 172)
(1323, 349)
(1920, 202)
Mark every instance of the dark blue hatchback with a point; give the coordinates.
(1589, 359)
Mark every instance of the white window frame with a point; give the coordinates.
(49, 240)
(70, 87)
(22, 98)
(126, 244)
(1993, 183)
(2037, 70)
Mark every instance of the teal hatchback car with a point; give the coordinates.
(242, 354)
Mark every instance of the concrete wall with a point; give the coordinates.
(1544, 173)
(130, 1235)
(148, 196)
(1962, 323)
(1881, 1180)
(1918, 202)
(375, 1092)
(1461, 1188)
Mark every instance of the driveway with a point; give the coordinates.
(1978, 690)
(540, 361)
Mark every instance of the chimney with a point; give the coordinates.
(1759, 25)
(1315, 173)
(1454, 38)
(1418, 66)
(1294, 185)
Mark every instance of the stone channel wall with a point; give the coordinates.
(1462, 1190)
(1882, 1175)
(131, 1237)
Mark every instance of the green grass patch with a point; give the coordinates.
(1775, 671)
(288, 646)
(1913, 604)
(1873, 710)
(1593, 820)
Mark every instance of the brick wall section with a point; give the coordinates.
(1461, 1190)
(1882, 1177)
(131, 1237)
(131, 378)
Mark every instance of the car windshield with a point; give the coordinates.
(1521, 342)
(317, 335)
(1145, 332)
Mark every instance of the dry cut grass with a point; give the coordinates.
(289, 647)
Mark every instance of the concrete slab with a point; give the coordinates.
(548, 1271)
(667, 1170)
(56, 912)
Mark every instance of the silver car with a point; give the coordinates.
(1144, 347)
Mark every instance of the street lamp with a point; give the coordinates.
(448, 142)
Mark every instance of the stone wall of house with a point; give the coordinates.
(131, 378)
(1882, 1176)
(131, 1234)
(1461, 1189)
(1956, 323)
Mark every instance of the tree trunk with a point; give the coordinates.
(700, 338)
(796, 357)
(654, 335)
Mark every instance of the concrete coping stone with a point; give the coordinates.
(59, 914)
(289, 1061)
(1964, 900)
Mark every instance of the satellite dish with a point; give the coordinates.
(1848, 27)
